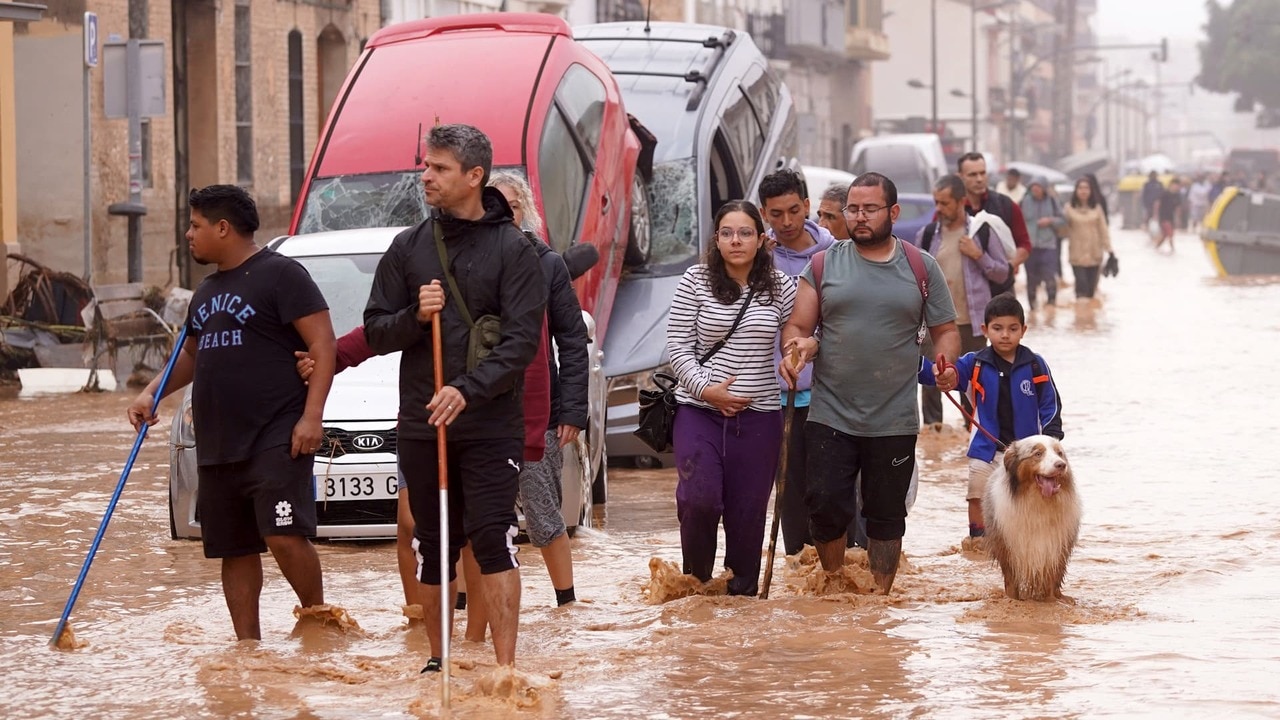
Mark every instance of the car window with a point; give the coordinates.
(900, 163)
(673, 217)
(562, 180)
(581, 95)
(762, 89)
(743, 134)
(726, 183)
(362, 201)
(345, 281)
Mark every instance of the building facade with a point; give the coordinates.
(247, 88)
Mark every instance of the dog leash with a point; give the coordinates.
(942, 367)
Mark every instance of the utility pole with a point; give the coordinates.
(1064, 79)
(973, 74)
(933, 61)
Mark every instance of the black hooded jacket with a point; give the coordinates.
(497, 273)
(570, 376)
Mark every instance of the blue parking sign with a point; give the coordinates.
(91, 39)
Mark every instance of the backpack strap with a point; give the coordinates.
(975, 383)
(928, 234)
(915, 258)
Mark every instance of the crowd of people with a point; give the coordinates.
(839, 319)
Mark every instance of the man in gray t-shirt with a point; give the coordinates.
(863, 415)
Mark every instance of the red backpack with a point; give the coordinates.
(914, 258)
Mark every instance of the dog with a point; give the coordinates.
(1032, 515)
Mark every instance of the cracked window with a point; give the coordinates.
(673, 213)
(364, 201)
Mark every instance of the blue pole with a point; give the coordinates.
(115, 497)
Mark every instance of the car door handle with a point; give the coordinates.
(604, 203)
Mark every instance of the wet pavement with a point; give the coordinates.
(1169, 406)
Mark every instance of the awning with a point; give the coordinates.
(21, 12)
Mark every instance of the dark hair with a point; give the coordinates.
(1075, 193)
(782, 182)
(1004, 305)
(726, 289)
(838, 193)
(969, 157)
(875, 179)
(470, 146)
(1014, 172)
(1096, 192)
(226, 202)
(952, 183)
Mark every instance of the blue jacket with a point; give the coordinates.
(1036, 408)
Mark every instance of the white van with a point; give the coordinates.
(913, 161)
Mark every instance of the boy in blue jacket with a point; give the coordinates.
(1012, 391)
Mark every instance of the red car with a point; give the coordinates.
(551, 108)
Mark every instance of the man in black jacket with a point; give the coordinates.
(497, 273)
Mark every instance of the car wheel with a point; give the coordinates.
(638, 233)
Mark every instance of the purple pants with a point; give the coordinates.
(726, 468)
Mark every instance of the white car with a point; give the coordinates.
(355, 469)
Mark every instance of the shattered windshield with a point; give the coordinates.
(673, 215)
(364, 201)
(348, 202)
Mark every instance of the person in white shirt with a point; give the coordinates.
(1012, 186)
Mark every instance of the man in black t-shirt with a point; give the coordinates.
(257, 425)
(1166, 210)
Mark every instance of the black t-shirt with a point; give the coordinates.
(1169, 202)
(1004, 402)
(247, 396)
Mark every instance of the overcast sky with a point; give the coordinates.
(1150, 20)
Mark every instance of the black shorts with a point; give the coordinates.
(241, 503)
(484, 478)
(833, 462)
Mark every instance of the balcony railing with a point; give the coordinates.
(862, 43)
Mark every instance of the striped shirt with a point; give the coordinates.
(698, 321)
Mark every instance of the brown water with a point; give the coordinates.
(1169, 405)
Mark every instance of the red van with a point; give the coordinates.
(551, 108)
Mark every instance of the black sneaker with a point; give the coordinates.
(433, 665)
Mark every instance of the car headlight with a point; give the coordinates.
(186, 425)
(625, 389)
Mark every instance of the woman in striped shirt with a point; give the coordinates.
(728, 425)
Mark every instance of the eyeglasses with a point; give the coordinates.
(854, 211)
(745, 233)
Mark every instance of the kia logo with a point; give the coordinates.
(367, 442)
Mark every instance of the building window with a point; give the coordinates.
(331, 64)
(145, 141)
(244, 98)
(297, 145)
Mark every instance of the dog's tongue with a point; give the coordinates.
(1048, 486)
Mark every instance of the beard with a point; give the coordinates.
(878, 235)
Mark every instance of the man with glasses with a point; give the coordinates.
(863, 416)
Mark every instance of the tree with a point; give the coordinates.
(1241, 51)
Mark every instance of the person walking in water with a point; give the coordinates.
(864, 416)
(1087, 238)
(721, 336)
(257, 424)
(496, 274)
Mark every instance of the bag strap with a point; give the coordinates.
(916, 260)
(819, 261)
(448, 276)
(720, 343)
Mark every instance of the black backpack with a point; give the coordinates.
(984, 239)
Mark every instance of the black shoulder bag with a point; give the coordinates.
(486, 330)
(655, 423)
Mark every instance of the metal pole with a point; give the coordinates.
(87, 189)
(133, 65)
(933, 60)
(1157, 97)
(973, 72)
(1014, 87)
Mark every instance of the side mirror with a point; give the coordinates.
(580, 258)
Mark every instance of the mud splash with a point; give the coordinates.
(67, 640)
(668, 582)
(327, 616)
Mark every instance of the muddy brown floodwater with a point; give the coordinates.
(1170, 404)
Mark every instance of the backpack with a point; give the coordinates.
(914, 258)
(984, 239)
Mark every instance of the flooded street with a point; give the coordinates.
(1169, 402)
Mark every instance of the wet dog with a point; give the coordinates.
(1032, 515)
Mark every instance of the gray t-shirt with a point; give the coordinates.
(865, 375)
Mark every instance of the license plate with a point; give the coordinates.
(356, 487)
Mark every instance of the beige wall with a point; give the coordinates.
(50, 212)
